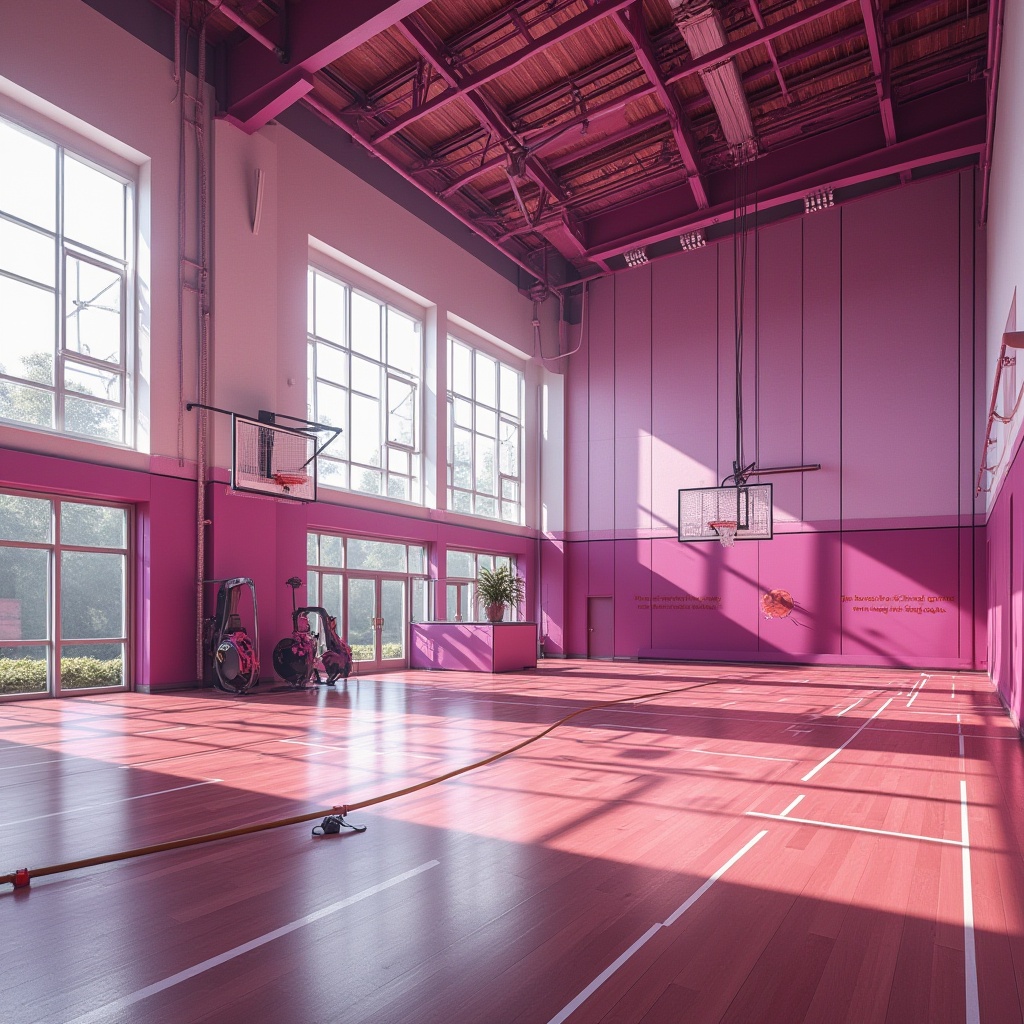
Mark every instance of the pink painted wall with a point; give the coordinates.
(859, 341)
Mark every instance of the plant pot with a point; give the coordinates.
(495, 612)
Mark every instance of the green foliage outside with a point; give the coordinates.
(364, 652)
(28, 675)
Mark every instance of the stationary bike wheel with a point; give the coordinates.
(294, 669)
(230, 671)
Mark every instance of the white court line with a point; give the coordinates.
(916, 690)
(970, 955)
(55, 760)
(110, 803)
(792, 805)
(626, 728)
(570, 1008)
(751, 757)
(169, 728)
(106, 1013)
(953, 694)
(854, 828)
(821, 764)
(859, 700)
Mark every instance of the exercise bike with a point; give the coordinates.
(234, 654)
(299, 658)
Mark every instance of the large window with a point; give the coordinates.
(63, 595)
(66, 250)
(485, 435)
(462, 570)
(365, 373)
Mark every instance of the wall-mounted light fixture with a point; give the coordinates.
(693, 240)
(822, 199)
(635, 257)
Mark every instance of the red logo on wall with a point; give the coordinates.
(777, 604)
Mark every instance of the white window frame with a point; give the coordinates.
(472, 499)
(394, 453)
(123, 269)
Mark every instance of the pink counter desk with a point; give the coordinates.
(474, 646)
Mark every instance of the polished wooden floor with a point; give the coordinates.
(767, 845)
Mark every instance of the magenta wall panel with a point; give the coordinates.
(703, 599)
(601, 402)
(632, 597)
(807, 567)
(577, 568)
(779, 367)
(822, 315)
(900, 595)
(551, 620)
(633, 400)
(601, 569)
(684, 365)
(900, 402)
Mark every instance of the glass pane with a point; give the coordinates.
(509, 464)
(509, 488)
(332, 364)
(417, 558)
(392, 609)
(92, 419)
(87, 666)
(461, 565)
(94, 526)
(24, 586)
(366, 377)
(330, 473)
(28, 177)
(486, 478)
(27, 253)
(367, 481)
(93, 208)
(25, 519)
(364, 441)
(486, 422)
(26, 331)
(310, 304)
(312, 549)
(92, 310)
(331, 551)
(362, 609)
(398, 487)
(486, 507)
(419, 601)
(486, 380)
(23, 669)
(331, 403)
(26, 405)
(376, 554)
(462, 501)
(312, 587)
(90, 380)
(510, 512)
(91, 595)
(401, 413)
(330, 310)
(509, 390)
(330, 599)
(463, 413)
(398, 461)
(403, 342)
(461, 370)
(366, 326)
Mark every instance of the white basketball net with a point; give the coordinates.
(726, 533)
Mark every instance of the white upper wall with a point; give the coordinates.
(1005, 255)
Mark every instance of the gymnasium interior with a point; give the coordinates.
(693, 321)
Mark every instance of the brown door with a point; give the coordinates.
(600, 628)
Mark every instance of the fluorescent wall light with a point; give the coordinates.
(635, 257)
(692, 240)
(822, 199)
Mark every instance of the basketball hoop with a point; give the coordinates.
(726, 530)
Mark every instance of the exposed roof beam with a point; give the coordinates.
(755, 10)
(315, 33)
(880, 66)
(493, 118)
(598, 10)
(786, 176)
(773, 31)
(632, 20)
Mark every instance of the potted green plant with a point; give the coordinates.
(497, 588)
